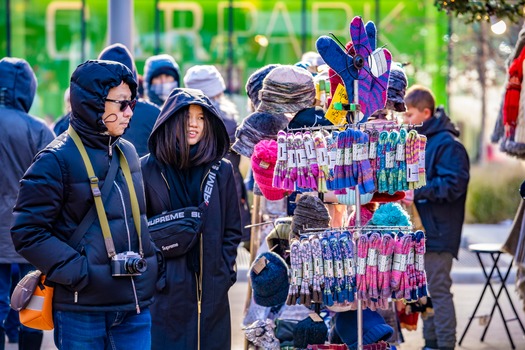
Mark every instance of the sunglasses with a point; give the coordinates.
(124, 104)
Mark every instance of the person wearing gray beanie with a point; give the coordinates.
(205, 78)
(255, 83)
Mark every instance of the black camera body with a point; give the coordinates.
(128, 264)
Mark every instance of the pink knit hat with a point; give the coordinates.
(264, 158)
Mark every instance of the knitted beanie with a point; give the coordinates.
(308, 332)
(263, 160)
(255, 83)
(390, 214)
(375, 328)
(285, 89)
(256, 127)
(205, 78)
(278, 240)
(397, 85)
(270, 285)
(310, 212)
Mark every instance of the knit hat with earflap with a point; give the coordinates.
(255, 83)
(205, 78)
(310, 212)
(287, 89)
(375, 328)
(270, 285)
(256, 127)
(263, 160)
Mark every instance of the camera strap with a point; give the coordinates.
(97, 195)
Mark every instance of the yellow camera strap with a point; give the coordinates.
(99, 205)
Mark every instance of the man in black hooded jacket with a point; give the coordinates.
(104, 284)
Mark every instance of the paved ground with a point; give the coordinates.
(468, 280)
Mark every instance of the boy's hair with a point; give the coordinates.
(420, 97)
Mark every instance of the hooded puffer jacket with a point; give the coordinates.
(55, 195)
(175, 314)
(441, 203)
(154, 66)
(21, 137)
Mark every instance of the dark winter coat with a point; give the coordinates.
(145, 113)
(55, 195)
(441, 203)
(21, 137)
(175, 312)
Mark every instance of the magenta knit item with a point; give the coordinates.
(291, 173)
(282, 158)
(302, 161)
(401, 250)
(366, 175)
(420, 265)
(385, 265)
(422, 175)
(311, 156)
(322, 160)
(362, 251)
(374, 245)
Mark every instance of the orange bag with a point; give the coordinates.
(38, 314)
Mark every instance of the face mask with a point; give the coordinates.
(163, 90)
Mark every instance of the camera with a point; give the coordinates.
(128, 264)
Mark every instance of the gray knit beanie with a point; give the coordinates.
(310, 212)
(256, 127)
(255, 83)
(287, 89)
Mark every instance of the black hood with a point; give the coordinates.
(17, 84)
(439, 122)
(182, 97)
(89, 86)
(119, 53)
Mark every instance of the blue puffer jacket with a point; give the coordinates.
(441, 203)
(21, 137)
(55, 195)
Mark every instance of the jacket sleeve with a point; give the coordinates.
(232, 226)
(451, 174)
(40, 200)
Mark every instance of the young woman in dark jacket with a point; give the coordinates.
(95, 305)
(192, 310)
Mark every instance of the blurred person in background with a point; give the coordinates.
(22, 136)
(161, 76)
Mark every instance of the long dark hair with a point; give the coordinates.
(171, 144)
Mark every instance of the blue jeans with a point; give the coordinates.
(102, 330)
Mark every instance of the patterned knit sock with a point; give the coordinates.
(282, 158)
(322, 160)
(311, 156)
(328, 272)
(291, 173)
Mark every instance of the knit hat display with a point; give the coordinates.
(308, 332)
(375, 328)
(397, 85)
(205, 78)
(310, 212)
(390, 214)
(256, 127)
(287, 89)
(270, 285)
(278, 240)
(255, 83)
(263, 162)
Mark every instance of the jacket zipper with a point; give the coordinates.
(198, 279)
(137, 307)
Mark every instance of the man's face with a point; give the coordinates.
(415, 116)
(116, 120)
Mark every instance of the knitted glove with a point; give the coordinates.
(302, 161)
(318, 280)
(340, 292)
(311, 156)
(328, 272)
(296, 272)
(306, 256)
(347, 252)
(280, 170)
(291, 173)
(322, 160)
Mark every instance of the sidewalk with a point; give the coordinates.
(468, 284)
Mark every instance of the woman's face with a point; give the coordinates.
(195, 124)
